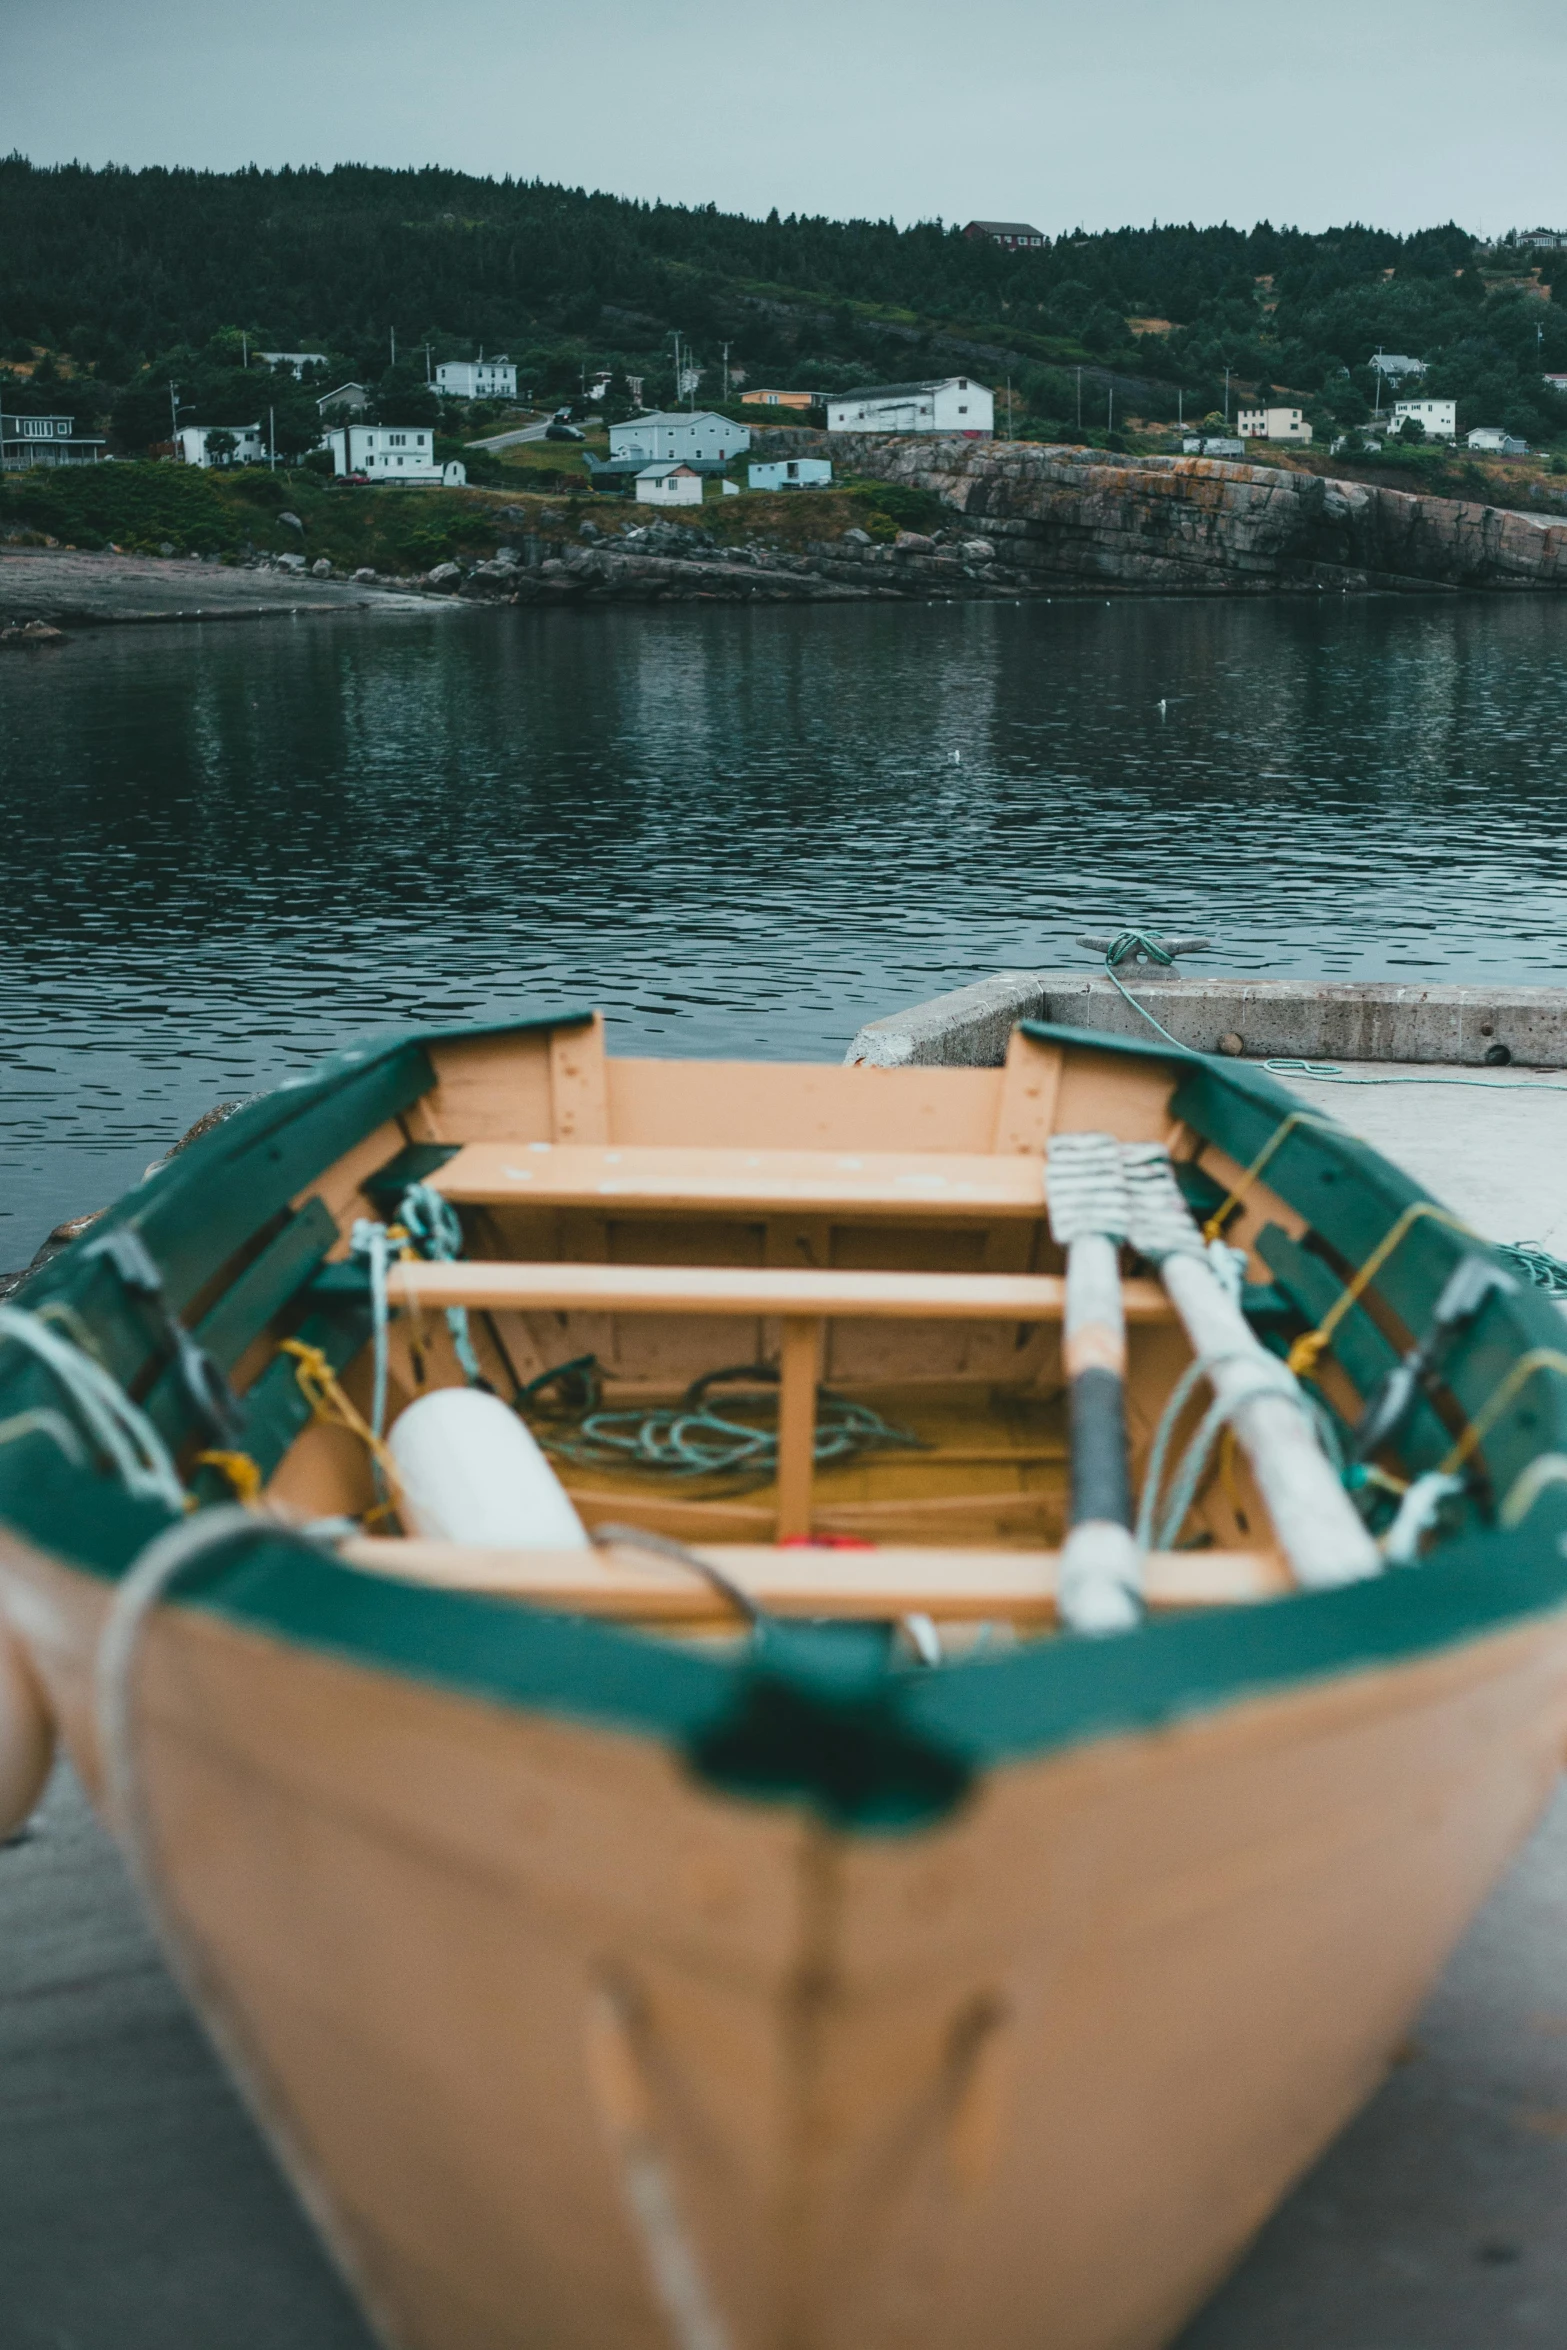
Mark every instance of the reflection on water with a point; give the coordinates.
(227, 850)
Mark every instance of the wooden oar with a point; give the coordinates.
(1100, 1566)
(1319, 1530)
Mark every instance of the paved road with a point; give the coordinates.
(510, 440)
(138, 2211)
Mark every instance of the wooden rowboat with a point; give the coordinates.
(798, 1936)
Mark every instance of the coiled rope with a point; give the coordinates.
(689, 1440)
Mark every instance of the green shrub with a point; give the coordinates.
(141, 506)
(900, 507)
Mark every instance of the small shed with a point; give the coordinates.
(669, 485)
(791, 473)
(1498, 442)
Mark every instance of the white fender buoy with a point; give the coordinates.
(471, 1472)
(26, 1736)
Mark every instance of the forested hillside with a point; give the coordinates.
(115, 283)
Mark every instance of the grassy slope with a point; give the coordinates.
(147, 508)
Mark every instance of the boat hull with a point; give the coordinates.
(563, 2045)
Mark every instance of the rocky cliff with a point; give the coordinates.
(1062, 517)
(1027, 519)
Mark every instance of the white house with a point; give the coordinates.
(1395, 365)
(1273, 424)
(669, 485)
(680, 436)
(1500, 443)
(249, 448)
(790, 473)
(295, 361)
(1440, 417)
(477, 379)
(1558, 383)
(391, 452)
(1197, 444)
(950, 403)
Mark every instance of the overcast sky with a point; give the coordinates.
(1128, 111)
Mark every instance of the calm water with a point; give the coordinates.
(227, 850)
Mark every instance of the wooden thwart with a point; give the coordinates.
(950, 1585)
(919, 1185)
(741, 1289)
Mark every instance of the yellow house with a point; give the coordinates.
(1273, 424)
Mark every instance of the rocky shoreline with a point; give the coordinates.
(1027, 520)
(1031, 520)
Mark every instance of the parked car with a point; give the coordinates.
(563, 432)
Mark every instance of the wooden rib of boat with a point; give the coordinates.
(799, 1938)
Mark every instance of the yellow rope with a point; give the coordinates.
(1303, 1355)
(1546, 1469)
(243, 1474)
(1226, 1208)
(319, 1385)
(1539, 1358)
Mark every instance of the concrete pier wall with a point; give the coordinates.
(1298, 1019)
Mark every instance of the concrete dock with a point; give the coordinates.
(139, 2211)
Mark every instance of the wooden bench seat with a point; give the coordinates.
(563, 1287)
(646, 1177)
(947, 1585)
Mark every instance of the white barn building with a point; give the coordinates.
(951, 403)
(668, 485)
(477, 379)
(679, 436)
(391, 452)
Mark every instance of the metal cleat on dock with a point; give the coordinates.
(1142, 946)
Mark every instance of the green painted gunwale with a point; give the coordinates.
(826, 1719)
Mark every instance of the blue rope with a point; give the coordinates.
(689, 1440)
(1537, 1265)
(435, 1228)
(1329, 1073)
(1129, 942)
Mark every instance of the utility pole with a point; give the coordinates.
(271, 440)
(1226, 399)
(174, 412)
(1009, 407)
(244, 348)
(427, 365)
(1110, 412)
(394, 346)
(1180, 398)
(726, 375)
(1079, 399)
